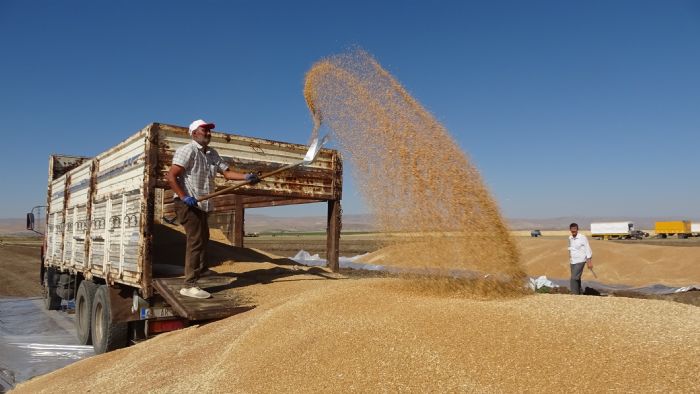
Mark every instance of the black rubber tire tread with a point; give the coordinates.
(51, 300)
(115, 334)
(86, 290)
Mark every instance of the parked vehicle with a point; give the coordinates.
(616, 230)
(535, 233)
(101, 241)
(695, 229)
(679, 228)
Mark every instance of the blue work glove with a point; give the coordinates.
(252, 178)
(190, 201)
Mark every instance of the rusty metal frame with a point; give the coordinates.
(147, 213)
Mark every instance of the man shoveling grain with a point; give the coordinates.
(580, 253)
(192, 175)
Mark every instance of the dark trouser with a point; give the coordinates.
(197, 230)
(576, 271)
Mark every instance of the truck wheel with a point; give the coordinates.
(83, 311)
(107, 335)
(51, 299)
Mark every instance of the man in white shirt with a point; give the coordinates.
(580, 253)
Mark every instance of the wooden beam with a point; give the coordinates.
(238, 222)
(279, 203)
(334, 223)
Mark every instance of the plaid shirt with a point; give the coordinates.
(200, 170)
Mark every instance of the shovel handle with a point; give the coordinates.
(308, 159)
(593, 272)
(238, 185)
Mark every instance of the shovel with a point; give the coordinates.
(309, 158)
(593, 272)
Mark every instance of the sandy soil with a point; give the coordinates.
(311, 333)
(19, 268)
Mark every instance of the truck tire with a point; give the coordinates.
(107, 335)
(51, 299)
(83, 311)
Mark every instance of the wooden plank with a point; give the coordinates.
(146, 220)
(216, 307)
(333, 235)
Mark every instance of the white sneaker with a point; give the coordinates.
(194, 292)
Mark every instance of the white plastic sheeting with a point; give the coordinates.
(540, 282)
(35, 341)
(304, 257)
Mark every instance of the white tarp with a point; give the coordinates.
(35, 341)
(542, 281)
(304, 257)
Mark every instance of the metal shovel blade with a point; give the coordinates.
(314, 148)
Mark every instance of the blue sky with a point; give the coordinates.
(567, 108)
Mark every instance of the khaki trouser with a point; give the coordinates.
(197, 230)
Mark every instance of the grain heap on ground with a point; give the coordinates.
(313, 334)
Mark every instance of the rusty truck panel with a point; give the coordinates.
(245, 154)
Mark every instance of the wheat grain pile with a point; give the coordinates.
(311, 334)
(411, 172)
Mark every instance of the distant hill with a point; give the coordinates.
(14, 227)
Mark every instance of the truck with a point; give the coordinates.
(695, 229)
(679, 228)
(103, 247)
(616, 230)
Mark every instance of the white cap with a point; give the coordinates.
(200, 123)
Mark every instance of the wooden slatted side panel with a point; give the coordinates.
(76, 195)
(244, 154)
(116, 212)
(56, 220)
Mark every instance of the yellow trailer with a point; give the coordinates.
(679, 228)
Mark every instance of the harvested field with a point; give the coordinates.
(629, 262)
(310, 333)
(19, 267)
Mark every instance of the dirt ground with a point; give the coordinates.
(19, 267)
